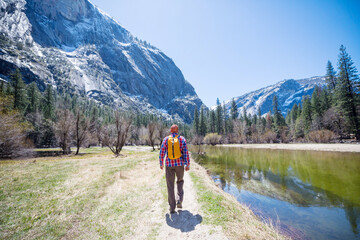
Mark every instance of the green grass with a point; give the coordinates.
(218, 210)
(58, 197)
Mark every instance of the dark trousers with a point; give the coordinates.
(170, 181)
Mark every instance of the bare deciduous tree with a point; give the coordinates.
(197, 141)
(95, 130)
(115, 135)
(269, 137)
(334, 121)
(151, 134)
(134, 135)
(143, 135)
(82, 125)
(64, 128)
(12, 134)
(241, 130)
(161, 132)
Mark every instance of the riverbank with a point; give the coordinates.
(96, 195)
(222, 209)
(336, 147)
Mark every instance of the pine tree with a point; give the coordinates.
(299, 127)
(306, 113)
(260, 124)
(234, 110)
(196, 121)
(202, 122)
(34, 98)
(212, 121)
(49, 105)
(278, 118)
(325, 103)
(294, 112)
(347, 91)
(299, 111)
(225, 119)
(315, 102)
(74, 102)
(259, 113)
(2, 88)
(9, 90)
(254, 119)
(219, 118)
(330, 77)
(245, 117)
(288, 117)
(20, 98)
(293, 117)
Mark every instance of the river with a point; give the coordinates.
(306, 194)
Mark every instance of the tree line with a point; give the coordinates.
(30, 119)
(331, 113)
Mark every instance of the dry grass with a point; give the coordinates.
(72, 196)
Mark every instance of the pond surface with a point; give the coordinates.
(306, 194)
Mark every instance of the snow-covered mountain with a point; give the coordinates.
(288, 93)
(74, 46)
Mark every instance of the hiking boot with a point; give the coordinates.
(179, 205)
(172, 211)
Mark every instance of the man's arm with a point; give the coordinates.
(185, 155)
(162, 153)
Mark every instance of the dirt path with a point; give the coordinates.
(187, 223)
(157, 223)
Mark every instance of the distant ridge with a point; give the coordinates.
(288, 92)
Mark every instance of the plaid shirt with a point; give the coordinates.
(183, 160)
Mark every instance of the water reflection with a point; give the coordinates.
(315, 194)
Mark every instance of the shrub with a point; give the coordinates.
(321, 136)
(269, 137)
(13, 131)
(212, 139)
(197, 140)
(255, 138)
(284, 135)
(64, 129)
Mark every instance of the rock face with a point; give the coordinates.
(288, 93)
(71, 44)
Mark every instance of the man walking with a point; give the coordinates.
(177, 156)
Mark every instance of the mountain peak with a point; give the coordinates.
(74, 43)
(288, 92)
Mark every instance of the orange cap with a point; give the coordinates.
(174, 128)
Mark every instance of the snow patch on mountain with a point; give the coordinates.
(288, 92)
(74, 44)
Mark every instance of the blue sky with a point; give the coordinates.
(231, 47)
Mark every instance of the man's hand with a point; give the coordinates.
(187, 168)
(161, 167)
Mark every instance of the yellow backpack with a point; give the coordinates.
(174, 151)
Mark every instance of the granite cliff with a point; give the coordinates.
(76, 47)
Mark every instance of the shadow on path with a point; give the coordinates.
(183, 220)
